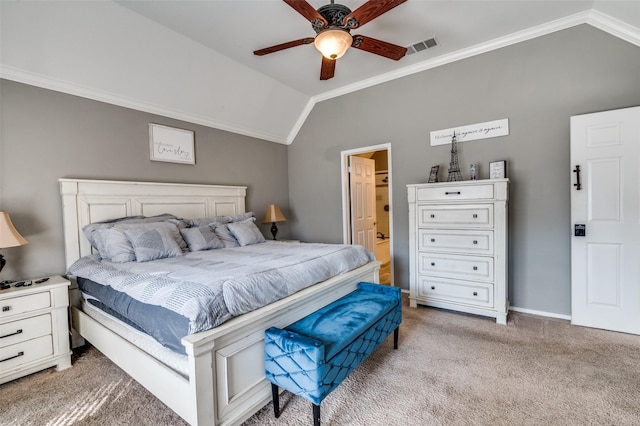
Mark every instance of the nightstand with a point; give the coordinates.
(34, 328)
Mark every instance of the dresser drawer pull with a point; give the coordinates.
(12, 357)
(433, 216)
(475, 241)
(475, 293)
(433, 240)
(12, 334)
(433, 287)
(433, 263)
(475, 216)
(475, 268)
(452, 193)
(6, 308)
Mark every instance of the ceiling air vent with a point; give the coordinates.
(422, 45)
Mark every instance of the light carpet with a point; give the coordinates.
(450, 369)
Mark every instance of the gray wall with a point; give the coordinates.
(537, 85)
(47, 135)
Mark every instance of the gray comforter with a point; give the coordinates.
(210, 287)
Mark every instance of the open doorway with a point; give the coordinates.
(381, 242)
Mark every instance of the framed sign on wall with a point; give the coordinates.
(171, 144)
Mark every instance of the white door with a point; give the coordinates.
(605, 263)
(362, 181)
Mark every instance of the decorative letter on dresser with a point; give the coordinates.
(458, 246)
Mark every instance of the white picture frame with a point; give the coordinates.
(171, 144)
(498, 169)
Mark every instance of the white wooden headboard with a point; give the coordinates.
(87, 201)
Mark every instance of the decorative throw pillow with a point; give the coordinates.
(113, 245)
(222, 231)
(201, 238)
(153, 242)
(246, 232)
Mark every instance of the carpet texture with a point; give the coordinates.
(450, 369)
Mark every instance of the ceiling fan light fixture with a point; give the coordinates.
(333, 42)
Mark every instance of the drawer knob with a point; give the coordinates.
(433, 263)
(475, 241)
(433, 240)
(433, 287)
(11, 334)
(433, 216)
(475, 268)
(452, 193)
(475, 293)
(475, 215)
(6, 308)
(12, 357)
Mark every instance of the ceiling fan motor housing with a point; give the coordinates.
(334, 14)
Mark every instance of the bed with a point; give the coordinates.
(220, 379)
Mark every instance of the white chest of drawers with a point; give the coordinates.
(34, 328)
(458, 246)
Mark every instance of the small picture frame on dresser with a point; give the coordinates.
(498, 169)
(433, 176)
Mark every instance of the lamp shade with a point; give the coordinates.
(273, 214)
(333, 43)
(9, 237)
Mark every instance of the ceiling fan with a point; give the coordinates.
(332, 24)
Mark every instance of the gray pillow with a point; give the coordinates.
(246, 232)
(89, 230)
(201, 238)
(153, 242)
(202, 221)
(113, 245)
(222, 231)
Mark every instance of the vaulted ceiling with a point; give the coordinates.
(193, 60)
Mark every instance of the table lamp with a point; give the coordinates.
(273, 215)
(9, 237)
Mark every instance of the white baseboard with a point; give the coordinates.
(540, 313)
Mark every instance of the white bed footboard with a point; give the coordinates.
(225, 383)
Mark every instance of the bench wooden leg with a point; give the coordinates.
(276, 400)
(395, 337)
(316, 415)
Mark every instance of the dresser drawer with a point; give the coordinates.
(473, 242)
(462, 216)
(24, 352)
(455, 192)
(23, 304)
(454, 266)
(477, 294)
(25, 329)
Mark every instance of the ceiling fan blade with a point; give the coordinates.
(379, 47)
(328, 68)
(283, 46)
(306, 10)
(369, 11)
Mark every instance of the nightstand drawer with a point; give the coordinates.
(25, 329)
(22, 304)
(461, 216)
(452, 266)
(472, 242)
(24, 352)
(477, 294)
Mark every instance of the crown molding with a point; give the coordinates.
(45, 82)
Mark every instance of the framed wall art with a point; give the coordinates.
(171, 144)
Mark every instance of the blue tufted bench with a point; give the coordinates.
(312, 356)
